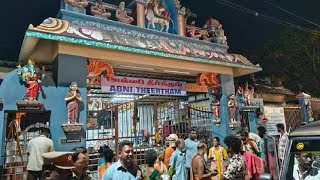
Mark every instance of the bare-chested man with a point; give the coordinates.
(199, 169)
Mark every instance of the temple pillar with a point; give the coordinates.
(181, 23)
(227, 88)
(140, 14)
(67, 69)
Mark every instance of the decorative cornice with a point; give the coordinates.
(51, 25)
(88, 42)
(130, 38)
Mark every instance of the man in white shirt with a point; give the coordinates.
(283, 141)
(36, 147)
(304, 169)
(254, 137)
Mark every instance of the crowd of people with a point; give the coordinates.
(191, 159)
(243, 157)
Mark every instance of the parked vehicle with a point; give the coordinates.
(302, 155)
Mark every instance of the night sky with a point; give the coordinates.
(245, 32)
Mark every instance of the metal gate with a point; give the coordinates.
(293, 117)
(315, 106)
(139, 118)
(20, 127)
(201, 118)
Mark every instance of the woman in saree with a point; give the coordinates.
(151, 158)
(217, 155)
(105, 161)
(159, 165)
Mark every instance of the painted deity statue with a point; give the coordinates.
(98, 9)
(232, 106)
(157, 14)
(219, 34)
(192, 31)
(177, 4)
(73, 97)
(261, 116)
(77, 3)
(246, 93)
(215, 106)
(211, 25)
(121, 14)
(31, 77)
(160, 10)
(215, 109)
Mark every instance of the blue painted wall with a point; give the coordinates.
(227, 88)
(52, 97)
(68, 69)
(10, 92)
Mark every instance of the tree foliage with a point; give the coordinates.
(294, 58)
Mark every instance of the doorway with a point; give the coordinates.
(19, 128)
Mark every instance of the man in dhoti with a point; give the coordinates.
(199, 169)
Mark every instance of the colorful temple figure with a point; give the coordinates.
(246, 93)
(98, 9)
(157, 14)
(31, 77)
(232, 105)
(77, 3)
(261, 116)
(160, 9)
(73, 97)
(215, 106)
(215, 109)
(121, 14)
(211, 25)
(177, 4)
(205, 35)
(192, 31)
(219, 34)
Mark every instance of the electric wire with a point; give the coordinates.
(269, 18)
(292, 14)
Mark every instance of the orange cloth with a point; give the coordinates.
(101, 171)
(167, 154)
